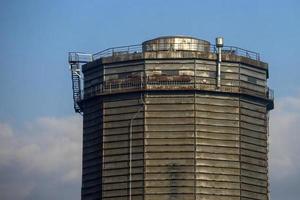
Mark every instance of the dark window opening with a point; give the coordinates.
(170, 72)
(252, 79)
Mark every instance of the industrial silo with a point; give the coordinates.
(173, 118)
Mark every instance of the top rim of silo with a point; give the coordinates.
(176, 36)
(176, 43)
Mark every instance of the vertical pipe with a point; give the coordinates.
(219, 67)
(130, 146)
(219, 45)
(130, 156)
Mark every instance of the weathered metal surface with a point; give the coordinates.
(176, 43)
(159, 128)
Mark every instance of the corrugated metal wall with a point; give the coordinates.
(92, 150)
(117, 117)
(192, 144)
(169, 146)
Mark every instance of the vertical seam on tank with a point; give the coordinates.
(144, 128)
(240, 157)
(102, 124)
(102, 134)
(267, 125)
(83, 116)
(195, 135)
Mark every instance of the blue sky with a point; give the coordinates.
(36, 35)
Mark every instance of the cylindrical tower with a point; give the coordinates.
(175, 118)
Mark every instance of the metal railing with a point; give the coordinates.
(270, 94)
(78, 57)
(241, 52)
(144, 83)
(114, 51)
(131, 49)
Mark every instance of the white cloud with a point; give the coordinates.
(285, 137)
(6, 144)
(45, 151)
(285, 148)
(45, 156)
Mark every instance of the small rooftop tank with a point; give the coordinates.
(176, 43)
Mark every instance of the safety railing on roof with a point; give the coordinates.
(78, 57)
(241, 52)
(270, 94)
(118, 51)
(115, 51)
(166, 83)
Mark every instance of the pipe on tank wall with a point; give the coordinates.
(219, 45)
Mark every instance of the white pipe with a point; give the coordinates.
(219, 45)
(219, 67)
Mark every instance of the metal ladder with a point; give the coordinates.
(76, 86)
(76, 59)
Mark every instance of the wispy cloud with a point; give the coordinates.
(285, 149)
(42, 160)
